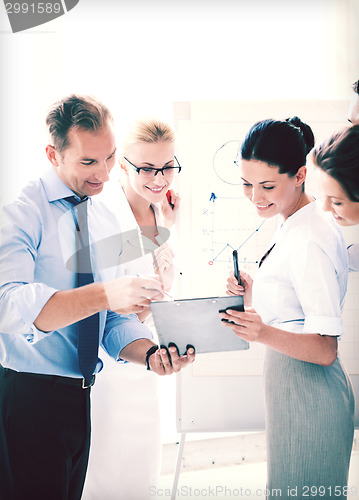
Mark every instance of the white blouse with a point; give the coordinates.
(353, 252)
(301, 285)
(125, 397)
(138, 252)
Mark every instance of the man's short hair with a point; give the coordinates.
(75, 112)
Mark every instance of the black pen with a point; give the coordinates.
(237, 274)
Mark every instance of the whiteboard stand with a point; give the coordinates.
(178, 465)
(213, 403)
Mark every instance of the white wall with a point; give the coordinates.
(141, 56)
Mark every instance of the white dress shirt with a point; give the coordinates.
(301, 285)
(353, 252)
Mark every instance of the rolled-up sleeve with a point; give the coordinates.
(317, 288)
(20, 304)
(324, 325)
(121, 330)
(21, 299)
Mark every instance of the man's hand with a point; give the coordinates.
(131, 294)
(161, 361)
(166, 362)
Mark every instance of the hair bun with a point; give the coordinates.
(305, 129)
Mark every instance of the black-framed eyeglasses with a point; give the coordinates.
(149, 171)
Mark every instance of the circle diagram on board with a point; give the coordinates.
(224, 163)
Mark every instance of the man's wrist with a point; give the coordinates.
(96, 297)
(149, 353)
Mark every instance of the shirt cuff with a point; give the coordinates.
(36, 295)
(122, 330)
(324, 325)
(36, 335)
(21, 306)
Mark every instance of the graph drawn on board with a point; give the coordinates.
(224, 163)
(229, 222)
(248, 233)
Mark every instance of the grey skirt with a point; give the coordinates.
(309, 426)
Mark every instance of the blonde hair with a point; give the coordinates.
(150, 131)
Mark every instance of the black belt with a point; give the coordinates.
(57, 379)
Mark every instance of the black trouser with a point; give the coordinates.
(44, 437)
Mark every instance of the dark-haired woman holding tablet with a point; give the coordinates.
(298, 293)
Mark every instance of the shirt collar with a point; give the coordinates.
(54, 188)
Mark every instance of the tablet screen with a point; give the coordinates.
(197, 322)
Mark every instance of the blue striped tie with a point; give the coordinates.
(88, 328)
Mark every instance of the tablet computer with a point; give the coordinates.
(197, 322)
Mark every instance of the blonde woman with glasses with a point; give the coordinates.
(125, 449)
